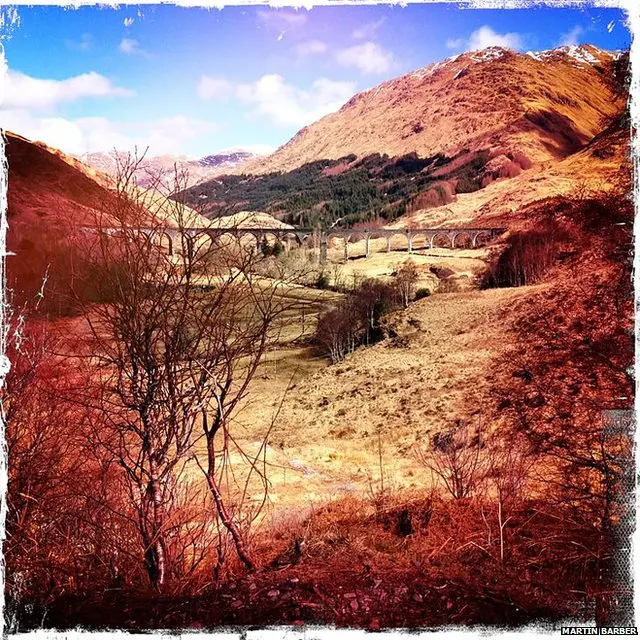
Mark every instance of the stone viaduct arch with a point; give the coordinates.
(460, 238)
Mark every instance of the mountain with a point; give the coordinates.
(48, 187)
(492, 132)
(544, 105)
(225, 160)
(164, 167)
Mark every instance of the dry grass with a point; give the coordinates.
(501, 202)
(465, 263)
(332, 415)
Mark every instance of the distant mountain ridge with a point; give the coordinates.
(223, 160)
(164, 166)
(545, 104)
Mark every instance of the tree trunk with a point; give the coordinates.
(227, 520)
(152, 535)
(158, 543)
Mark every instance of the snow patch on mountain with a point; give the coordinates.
(490, 53)
(581, 54)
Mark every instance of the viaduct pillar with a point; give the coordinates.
(324, 241)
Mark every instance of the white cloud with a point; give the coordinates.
(22, 91)
(311, 47)
(367, 30)
(31, 108)
(56, 132)
(166, 135)
(87, 135)
(572, 37)
(282, 103)
(368, 57)
(128, 46)
(210, 88)
(285, 104)
(128, 22)
(132, 47)
(485, 37)
(455, 43)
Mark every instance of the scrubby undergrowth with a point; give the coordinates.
(358, 569)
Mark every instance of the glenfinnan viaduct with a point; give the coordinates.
(194, 235)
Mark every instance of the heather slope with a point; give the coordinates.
(44, 188)
(504, 201)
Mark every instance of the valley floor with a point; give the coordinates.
(381, 548)
(325, 441)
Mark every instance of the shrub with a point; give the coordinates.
(323, 281)
(421, 293)
(442, 273)
(510, 170)
(439, 194)
(271, 250)
(526, 259)
(467, 185)
(522, 160)
(454, 457)
(487, 180)
(448, 286)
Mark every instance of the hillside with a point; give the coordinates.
(488, 187)
(545, 105)
(46, 187)
(49, 194)
(504, 201)
(348, 189)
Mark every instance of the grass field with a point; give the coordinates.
(328, 424)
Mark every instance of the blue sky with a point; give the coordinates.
(195, 81)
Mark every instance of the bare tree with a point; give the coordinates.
(405, 281)
(454, 456)
(339, 330)
(373, 299)
(509, 465)
(172, 348)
